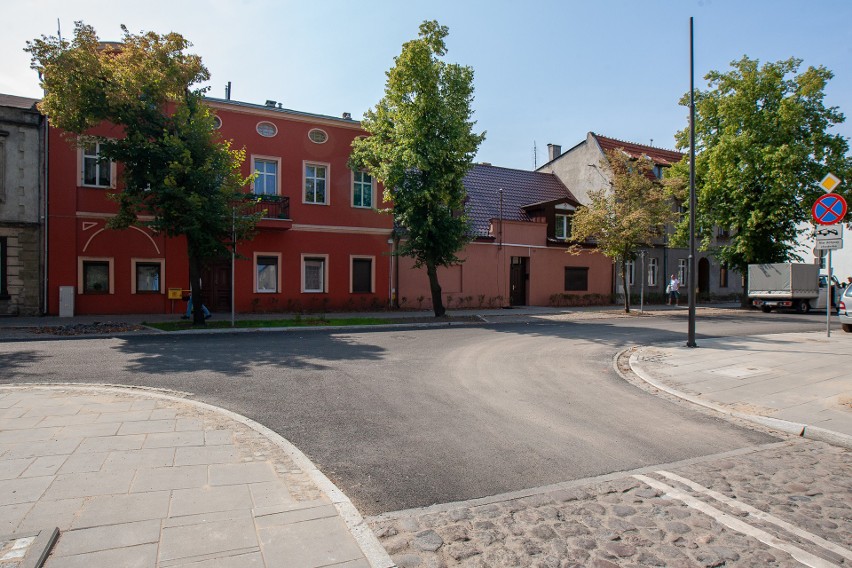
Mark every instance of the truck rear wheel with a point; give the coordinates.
(847, 327)
(803, 307)
(766, 309)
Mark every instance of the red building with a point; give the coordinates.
(322, 243)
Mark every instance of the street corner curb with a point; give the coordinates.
(794, 428)
(828, 436)
(369, 544)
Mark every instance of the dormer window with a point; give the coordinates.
(563, 226)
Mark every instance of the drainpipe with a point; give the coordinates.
(44, 209)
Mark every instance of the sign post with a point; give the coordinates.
(829, 211)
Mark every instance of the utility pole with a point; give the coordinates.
(690, 278)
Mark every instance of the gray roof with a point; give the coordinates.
(15, 101)
(280, 109)
(521, 188)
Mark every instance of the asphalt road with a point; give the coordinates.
(410, 417)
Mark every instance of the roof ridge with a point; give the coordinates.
(636, 143)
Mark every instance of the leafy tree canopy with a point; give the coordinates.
(763, 141)
(421, 146)
(631, 213)
(175, 167)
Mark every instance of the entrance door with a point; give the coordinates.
(216, 286)
(703, 276)
(518, 281)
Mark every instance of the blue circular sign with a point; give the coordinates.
(829, 209)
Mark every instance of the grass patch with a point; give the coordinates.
(254, 324)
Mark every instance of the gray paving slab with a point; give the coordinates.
(67, 486)
(94, 539)
(139, 479)
(118, 509)
(309, 543)
(164, 478)
(230, 474)
(23, 490)
(208, 499)
(143, 556)
(206, 455)
(174, 439)
(207, 538)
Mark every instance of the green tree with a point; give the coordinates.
(629, 214)
(421, 146)
(763, 141)
(176, 169)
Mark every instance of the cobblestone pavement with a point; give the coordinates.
(782, 504)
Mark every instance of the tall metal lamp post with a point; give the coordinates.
(690, 278)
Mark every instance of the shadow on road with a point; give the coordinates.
(233, 355)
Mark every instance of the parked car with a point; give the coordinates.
(845, 307)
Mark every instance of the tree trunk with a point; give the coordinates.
(435, 287)
(195, 289)
(624, 285)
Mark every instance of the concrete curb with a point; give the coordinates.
(369, 544)
(794, 428)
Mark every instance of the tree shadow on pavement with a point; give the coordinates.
(220, 353)
(14, 365)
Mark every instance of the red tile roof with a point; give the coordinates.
(520, 188)
(661, 157)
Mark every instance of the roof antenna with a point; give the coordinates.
(652, 141)
(59, 30)
(535, 156)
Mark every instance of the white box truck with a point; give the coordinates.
(788, 285)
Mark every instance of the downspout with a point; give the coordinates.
(44, 207)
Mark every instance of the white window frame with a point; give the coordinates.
(561, 222)
(263, 123)
(134, 262)
(317, 130)
(81, 168)
(352, 259)
(653, 271)
(324, 286)
(327, 167)
(372, 191)
(83, 259)
(276, 255)
(682, 271)
(254, 159)
(631, 272)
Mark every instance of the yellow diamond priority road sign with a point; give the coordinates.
(829, 182)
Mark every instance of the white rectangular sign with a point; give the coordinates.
(829, 244)
(829, 232)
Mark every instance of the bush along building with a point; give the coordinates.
(580, 168)
(21, 206)
(322, 244)
(519, 254)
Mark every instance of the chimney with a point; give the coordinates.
(347, 116)
(270, 103)
(553, 152)
(228, 91)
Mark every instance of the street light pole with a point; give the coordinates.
(690, 278)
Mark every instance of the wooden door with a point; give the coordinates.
(518, 281)
(216, 286)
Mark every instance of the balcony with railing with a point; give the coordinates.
(275, 209)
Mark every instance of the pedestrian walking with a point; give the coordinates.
(674, 291)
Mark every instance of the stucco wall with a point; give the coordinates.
(580, 169)
(20, 203)
(482, 280)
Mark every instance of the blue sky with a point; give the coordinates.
(545, 72)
